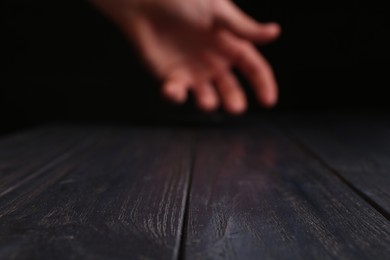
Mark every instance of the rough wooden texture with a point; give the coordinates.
(256, 195)
(27, 155)
(120, 197)
(357, 148)
(259, 191)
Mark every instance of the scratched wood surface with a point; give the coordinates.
(257, 195)
(355, 147)
(26, 155)
(256, 191)
(118, 197)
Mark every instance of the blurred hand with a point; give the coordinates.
(192, 45)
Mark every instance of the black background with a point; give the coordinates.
(65, 61)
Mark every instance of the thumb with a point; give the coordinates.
(228, 15)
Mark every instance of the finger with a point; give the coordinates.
(258, 71)
(252, 64)
(206, 97)
(231, 93)
(176, 88)
(232, 18)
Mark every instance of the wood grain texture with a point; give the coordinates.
(27, 155)
(256, 195)
(121, 196)
(356, 147)
(255, 192)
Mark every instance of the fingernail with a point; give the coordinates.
(274, 27)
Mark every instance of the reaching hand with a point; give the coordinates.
(192, 45)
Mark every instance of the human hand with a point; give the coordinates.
(192, 45)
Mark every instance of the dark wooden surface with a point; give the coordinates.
(270, 199)
(284, 188)
(356, 148)
(120, 196)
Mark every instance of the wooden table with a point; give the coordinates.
(290, 187)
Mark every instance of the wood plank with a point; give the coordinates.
(356, 147)
(23, 156)
(122, 197)
(256, 195)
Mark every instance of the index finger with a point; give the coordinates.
(252, 64)
(259, 72)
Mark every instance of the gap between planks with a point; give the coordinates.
(180, 253)
(304, 147)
